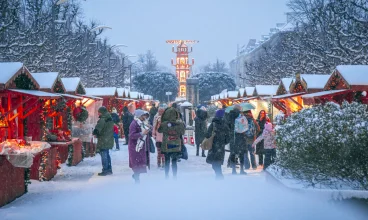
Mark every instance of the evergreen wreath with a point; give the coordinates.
(80, 114)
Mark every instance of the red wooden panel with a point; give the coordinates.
(12, 181)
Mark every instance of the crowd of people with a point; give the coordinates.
(162, 129)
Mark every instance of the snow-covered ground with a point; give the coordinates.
(78, 193)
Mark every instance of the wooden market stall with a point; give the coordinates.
(109, 96)
(60, 123)
(285, 101)
(346, 83)
(308, 83)
(84, 130)
(21, 157)
(262, 97)
(73, 86)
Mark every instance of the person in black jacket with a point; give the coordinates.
(261, 120)
(200, 129)
(127, 119)
(216, 154)
(234, 151)
(115, 116)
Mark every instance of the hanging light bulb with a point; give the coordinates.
(3, 122)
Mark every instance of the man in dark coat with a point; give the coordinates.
(105, 139)
(233, 114)
(127, 119)
(200, 129)
(153, 111)
(216, 155)
(115, 116)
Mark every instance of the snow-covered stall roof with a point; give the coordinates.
(354, 74)
(71, 83)
(134, 95)
(101, 91)
(233, 94)
(242, 92)
(249, 90)
(46, 80)
(10, 70)
(315, 81)
(265, 90)
(7, 71)
(147, 97)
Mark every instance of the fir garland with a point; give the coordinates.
(42, 168)
(69, 118)
(24, 82)
(70, 155)
(83, 151)
(25, 126)
(27, 177)
(80, 90)
(43, 114)
(58, 88)
(60, 106)
(58, 160)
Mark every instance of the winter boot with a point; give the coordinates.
(103, 173)
(197, 154)
(203, 155)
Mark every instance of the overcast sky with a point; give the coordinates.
(218, 25)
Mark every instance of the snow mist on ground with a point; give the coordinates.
(78, 193)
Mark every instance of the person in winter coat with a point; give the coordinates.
(105, 139)
(216, 154)
(138, 145)
(200, 129)
(268, 136)
(158, 138)
(261, 120)
(115, 116)
(152, 113)
(127, 119)
(116, 135)
(234, 151)
(241, 126)
(172, 128)
(251, 135)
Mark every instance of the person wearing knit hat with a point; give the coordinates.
(221, 132)
(105, 139)
(220, 113)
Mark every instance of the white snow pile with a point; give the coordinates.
(326, 146)
(315, 81)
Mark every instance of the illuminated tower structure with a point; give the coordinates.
(182, 65)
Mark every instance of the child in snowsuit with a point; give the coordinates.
(268, 136)
(116, 136)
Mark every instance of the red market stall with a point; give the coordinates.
(337, 96)
(68, 150)
(350, 77)
(83, 130)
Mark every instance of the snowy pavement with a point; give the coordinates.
(78, 193)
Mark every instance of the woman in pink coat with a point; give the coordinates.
(138, 145)
(158, 137)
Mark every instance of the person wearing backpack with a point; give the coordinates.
(172, 128)
(241, 126)
(251, 135)
(216, 154)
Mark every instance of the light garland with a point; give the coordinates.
(42, 167)
(43, 114)
(58, 160)
(27, 177)
(70, 155)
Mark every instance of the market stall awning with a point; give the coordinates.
(90, 97)
(36, 93)
(286, 96)
(71, 96)
(127, 99)
(311, 99)
(249, 98)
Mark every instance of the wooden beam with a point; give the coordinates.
(31, 111)
(297, 103)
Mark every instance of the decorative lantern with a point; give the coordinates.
(191, 140)
(185, 140)
(3, 122)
